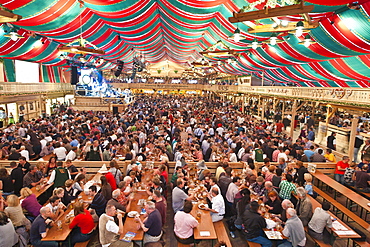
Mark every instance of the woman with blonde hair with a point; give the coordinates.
(15, 213)
(30, 203)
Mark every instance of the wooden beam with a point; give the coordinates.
(291, 26)
(352, 137)
(295, 9)
(6, 16)
(294, 112)
(80, 50)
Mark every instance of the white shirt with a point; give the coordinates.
(25, 154)
(52, 176)
(111, 226)
(232, 190)
(71, 155)
(282, 155)
(60, 153)
(218, 204)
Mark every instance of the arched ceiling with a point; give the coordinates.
(178, 30)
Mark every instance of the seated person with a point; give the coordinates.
(40, 227)
(184, 224)
(56, 207)
(259, 186)
(273, 203)
(82, 224)
(109, 231)
(218, 205)
(152, 224)
(362, 179)
(116, 194)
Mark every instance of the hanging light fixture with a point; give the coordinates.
(218, 62)
(229, 60)
(299, 28)
(203, 61)
(38, 43)
(273, 39)
(237, 35)
(255, 43)
(210, 63)
(13, 35)
(307, 40)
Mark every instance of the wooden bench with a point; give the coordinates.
(84, 244)
(253, 244)
(360, 243)
(317, 242)
(182, 245)
(221, 233)
(344, 210)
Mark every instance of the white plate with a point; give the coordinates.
(132, 214)
(200, 206)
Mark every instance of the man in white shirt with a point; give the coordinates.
(24, 152)
(218, 206)
(72, 154)
(109, 232)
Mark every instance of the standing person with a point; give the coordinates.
(293, 230)
(152, 224)
(2, 117)
(359, 140)
(318, 223)
(279, 127)
(6, 182)
(161, 205)
(17, 176)
(185, 224)
(331, 141)
(366, 150)
(40, 228)
(254, 224)
(109, 231)
(340, 169)
(95, 153)
(59, 176)
(287, 187)
(35, 141)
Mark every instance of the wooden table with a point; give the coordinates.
(40, 191)
(205, 224)
(351, 195)
(130, 223)
(54, 234)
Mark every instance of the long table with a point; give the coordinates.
(55, 234)
(351, 195)
(205, 224)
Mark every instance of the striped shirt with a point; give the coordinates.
(286, 189)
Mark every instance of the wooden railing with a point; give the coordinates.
(16, 88)
(94, 166)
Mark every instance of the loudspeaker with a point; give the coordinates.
(119, 68)
(74, 75)
(115, 109)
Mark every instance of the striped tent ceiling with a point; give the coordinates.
(178, 30)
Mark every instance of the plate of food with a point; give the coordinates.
(202, 206)
(132, 214)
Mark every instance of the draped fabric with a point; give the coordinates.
(9, 70)
(51, 74)
(178, 30)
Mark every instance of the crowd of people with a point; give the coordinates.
(162, 129)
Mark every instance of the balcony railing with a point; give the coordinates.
(16, 88)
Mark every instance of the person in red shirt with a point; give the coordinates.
(83, 225)
(340, 169)
(111, 180)
(279, 127)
